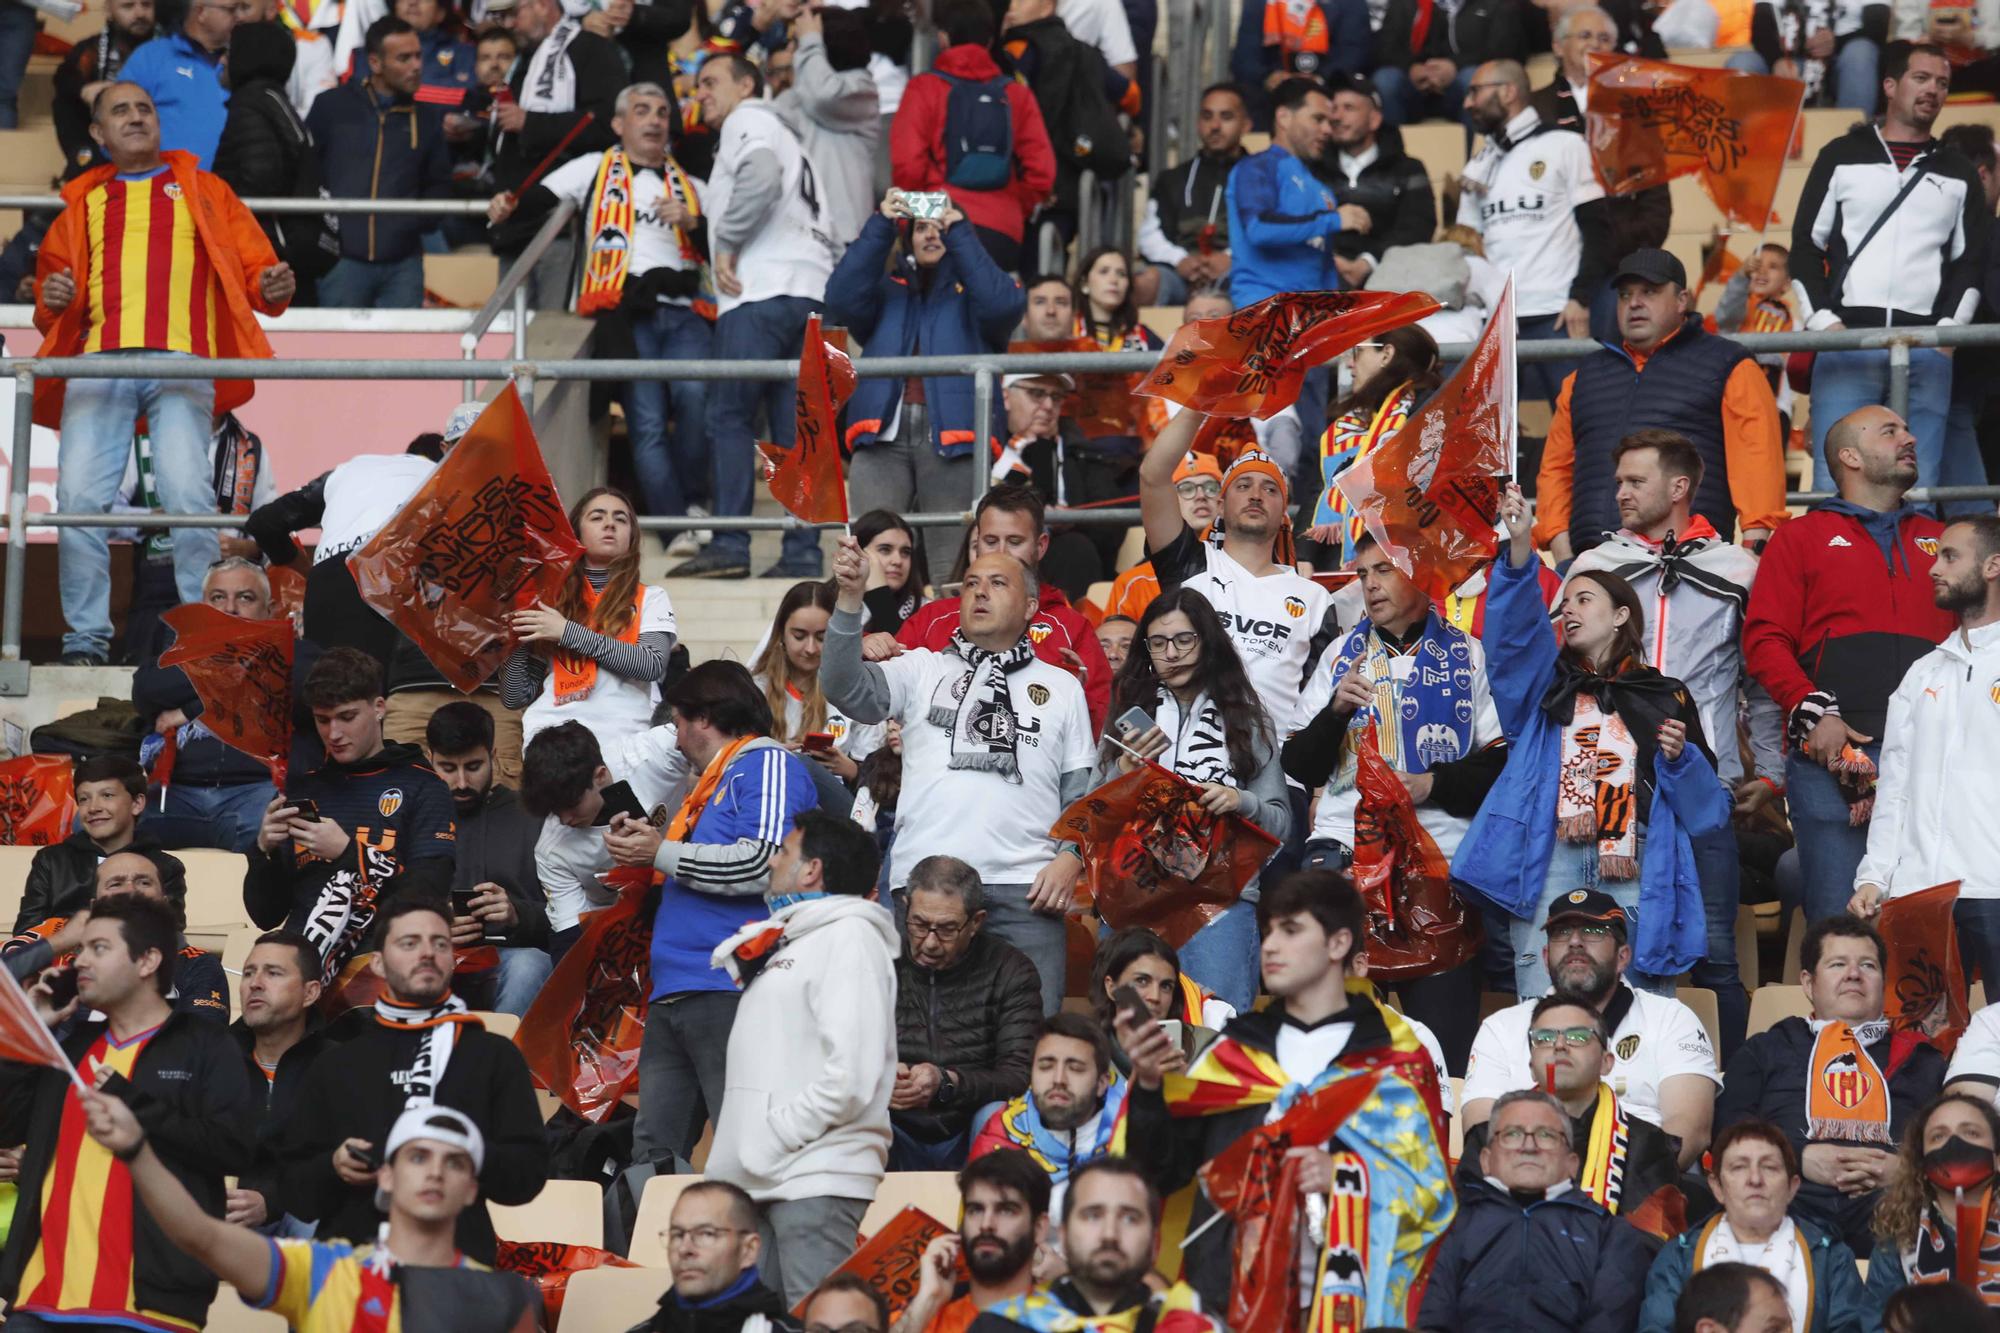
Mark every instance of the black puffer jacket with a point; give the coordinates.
(263, 140)
(63, 877)
(975, 1018)
(1480, 30)
(1394, 188)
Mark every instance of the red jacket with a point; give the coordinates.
(917, 152)
(1057, 626)
(1829, 612)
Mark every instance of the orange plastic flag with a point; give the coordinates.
(242, 672)
(1102, 405)
(37, 800)
(484, 537)
(581, 1035)
(549, 1263)
(1924, 989)
(806, 478)
(892, 1260)
(1649, 121)
(1252, 363)
(1719, 266)
(1155, 858)
(288, 594)
(24, 1037)
(1431, 494)
(1417, 926)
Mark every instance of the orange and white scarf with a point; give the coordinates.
(1597, 790)
(1847, 1098)
(613, 213)
(576, 674)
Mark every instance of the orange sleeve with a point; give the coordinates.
(1754, 446)
(252, 247)
(52, 258)
(1552, 482)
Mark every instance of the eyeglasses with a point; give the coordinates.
(702, 1236)
(1570, 1036)
(1188, 490)
(1586, 930)
(1515, 1136)
(1180, 644)
(946, 931)
(1039, 395)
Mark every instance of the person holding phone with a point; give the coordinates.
(787, 671)
(1183, 700)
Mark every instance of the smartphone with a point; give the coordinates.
(1127, 999)
(62, 985)
(307, 810)
(1172, 1027)
(924, 206)
(619, 800)
(816, 742)
(1135, 723)
(461, 905)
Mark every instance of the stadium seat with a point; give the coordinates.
(214, 889)
(649, 1226)
(1772, 1003)
(613, 1298)
(1702, 1000)
(1795, 938)
(566, 1210)
(1747, 964)
(230, 1315)
(936, 1192)
(500, 1025)
(1457, 1121)
(14, 863)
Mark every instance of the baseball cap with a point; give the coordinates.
(461, 421)
(439, 1124)
(1068, 382)
(1354, 83)
(1193, 464)
(1587, 905)
(1651, 265)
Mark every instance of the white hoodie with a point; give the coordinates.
(812, 1057)
(1933, 819)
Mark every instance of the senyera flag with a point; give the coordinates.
(241, 671)
(1431, 494)
(24, 1037)
(1252, 363)
(1649, 121)
(806, 478)
(484, 537)
(1924, 986)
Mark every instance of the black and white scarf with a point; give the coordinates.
(340, 916)
(439, 1023)
(1198, 748)
(977, 709)
(550, 84)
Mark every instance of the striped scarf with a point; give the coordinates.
(1604, 1156)
(1346, 442)
(613, 213)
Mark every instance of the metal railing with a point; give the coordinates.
(444, 208)
(513, 287)
(984, 369)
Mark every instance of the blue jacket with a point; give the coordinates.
(969, 306)
(1281, 228)
(372, 149)
(185, 83)
(1833, 1298)
(1505, 855)
(1561, 1265)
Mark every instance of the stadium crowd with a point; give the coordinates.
(868, 952)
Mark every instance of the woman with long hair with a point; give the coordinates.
(1208, 726)
(1139, 958)
(787, 671)
(1607, 780)
(599, 654)
(1097, 452)
(1392, 375)
(895, 570)
(1942, 1182)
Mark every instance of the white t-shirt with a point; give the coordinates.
(1655, 1039)
(1271, 620)
(616, 707)
(654, 244)
(1102, 24)
(791, 251)
(569, 860)
(856, 740)
(1000, 828)
(1978, 1053)
(1523, 201)
(362, 495)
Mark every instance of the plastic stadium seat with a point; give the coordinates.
(214, 888)
(1702, 1000)
(1747, 964)
(1772, 1003)
(936, 1192)
(566, 1210)
(500, 1025)
(14, 863)
(649, 1227)
(1457, 1121)
(230, 1315)
(1795, 938)
(601, 1299)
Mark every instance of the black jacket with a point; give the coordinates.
(63, 877)
(1651, 1162)
(207, 762)
(654, 26)
(335, 615)
(1394, 188)
(191, 1095)
(276, 1107)
(1481, 30)
(976, 1018)
(1560, 1265)
(1766, 1080)
(263, 140)
(351, 1092)
(201, 987)
(496, 845)
(726, 1316)
(1768, 41)
(600, 73)
(1638, 221)
(90, 60)
(372, 149)
(1191, 198)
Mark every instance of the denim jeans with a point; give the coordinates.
(1854, 82)
(910, 1153)
(522, 974)
(1830, 850)
(17, 43)
(1223, 955)
(906, 473)
(1844, 382)
(98, 420)
(1045, 939)
(365, 284)
(225, 818)
(1978, 922)
(1402, 103)
(673, 465)
(1963, 464)
(681, 1072)
(1574, 866)
(760, 331)
(1715, 858)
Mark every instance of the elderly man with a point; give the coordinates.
(1668, 373)
(1529, 1242)
(967, 1003)
(987, 726)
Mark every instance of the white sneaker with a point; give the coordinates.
(686, 542)
(702, 536)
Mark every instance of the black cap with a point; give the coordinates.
(1587, 905)
(1651, 266)
(1353, 83)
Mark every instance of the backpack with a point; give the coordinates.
(309, 242)
(978, 134)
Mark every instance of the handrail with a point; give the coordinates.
(511, 288)
(444, 208)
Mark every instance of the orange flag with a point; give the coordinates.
(484, 537)
(1431, 494)
(37, 800)
(1102, 404)
(1924, 989)
(24, 1037)
(581, 1035)
(1155, 858)
(288, 594)
(1649, 121)
(549, 1264)
(1252, 363)
(806, 478)
(892, 1260)
(1718, 266)
(242, 672)
(1417, 926)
